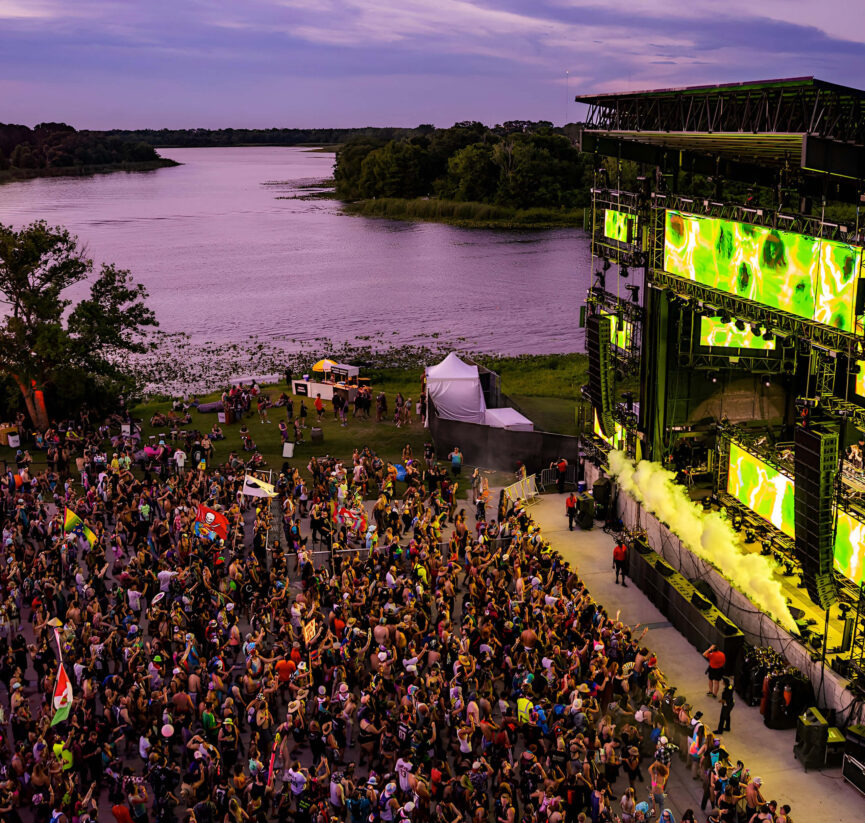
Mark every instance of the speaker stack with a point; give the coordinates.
(599, 330)
(812, 734)
(816, 457)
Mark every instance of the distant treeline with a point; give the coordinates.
(199, 138)
(51, 147)
(519, 164)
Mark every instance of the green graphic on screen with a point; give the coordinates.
(725, 335)
(617, 441)
(859, 384)
(621, 331)
(850, 548)
(621, 226)
(811, 278)
(771, 495)
(762, 489)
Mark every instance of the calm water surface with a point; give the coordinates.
(223, 257)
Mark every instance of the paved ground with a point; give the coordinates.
(813, 796)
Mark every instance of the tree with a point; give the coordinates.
(42, 345)
(472, 174)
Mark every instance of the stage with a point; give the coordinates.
(759, 629)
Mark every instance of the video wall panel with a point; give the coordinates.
(762, 488)
(715, 334)
(621, 331)
(805, 276)
(771, 495)
(617, 440)
(620, 225)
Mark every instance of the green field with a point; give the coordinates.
(544, 387)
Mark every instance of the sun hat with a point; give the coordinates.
(294, 707)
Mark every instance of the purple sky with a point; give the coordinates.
(258, 63)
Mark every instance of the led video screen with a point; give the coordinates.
(762, 489)
(715, 334)
(859, 381)
(850, 548)
(621, 332)
(617, 441)
(811, 278)
(621, 226)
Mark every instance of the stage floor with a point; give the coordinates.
(768, 753)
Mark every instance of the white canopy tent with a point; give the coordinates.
(508, 418)
(455, 389)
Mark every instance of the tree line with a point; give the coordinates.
(522, 164)
(202, 138)
(61, 146)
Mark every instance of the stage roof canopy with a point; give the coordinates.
(801, 123)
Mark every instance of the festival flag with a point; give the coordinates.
(253, 487)
(62, 697)
(72, 523)
(210, 523)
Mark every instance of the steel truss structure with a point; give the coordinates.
(721, 302)
(799, 105)
(600, 300)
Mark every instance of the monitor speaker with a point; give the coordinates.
(816, 459)
(855, 745)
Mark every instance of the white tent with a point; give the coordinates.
(455, 389)
(508, 418)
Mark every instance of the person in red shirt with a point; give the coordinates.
(319, 407)
(571, 510)
(717, 660)
(620, 553)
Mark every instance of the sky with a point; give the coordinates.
(339, 63)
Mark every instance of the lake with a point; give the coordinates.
(228, 248)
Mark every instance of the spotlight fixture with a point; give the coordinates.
(726, 319)
(713, 376)
(768, 336)
(635, 292)
(855, 369)
(767, 381)
(755, 330)
(740, 325)
(766, 550)
(623, 272)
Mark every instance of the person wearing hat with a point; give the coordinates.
(753, 797)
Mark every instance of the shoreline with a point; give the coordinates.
(19, 175)
(467, 215)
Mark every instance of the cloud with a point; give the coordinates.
(510, 56)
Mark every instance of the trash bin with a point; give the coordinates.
(288, 449)
(316, 434)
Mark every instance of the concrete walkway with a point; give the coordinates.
(768, 753)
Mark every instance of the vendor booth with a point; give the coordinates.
(330, 378)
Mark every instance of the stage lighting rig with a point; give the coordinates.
(602, 280)
(750, 536)
(713, 376)
(756, 330)
(635, 292)
(766, 548)
(725, 318)
(740, 325)
(768, 336)
(767, 381)
(854, 369)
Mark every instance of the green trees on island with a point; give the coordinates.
(520, 164)
(54, 146)
(55, 356)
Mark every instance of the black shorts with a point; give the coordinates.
(716, 674)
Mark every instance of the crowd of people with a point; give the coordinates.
(428, 667)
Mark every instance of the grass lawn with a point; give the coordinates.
(545, 388)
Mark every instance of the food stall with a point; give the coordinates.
(330, 378)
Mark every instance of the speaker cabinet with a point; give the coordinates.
(853, 772)
(812, 734)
